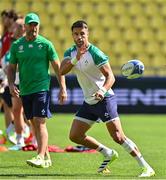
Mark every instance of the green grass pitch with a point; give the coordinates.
(147, 131)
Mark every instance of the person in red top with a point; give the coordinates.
(4, 14)
(8, 18)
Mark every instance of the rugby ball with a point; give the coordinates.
(133, 69)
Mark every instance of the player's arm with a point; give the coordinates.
(66, 66)
(68, 63)
(11, 75)
(61, 80)
(109, 76)
(109, 81)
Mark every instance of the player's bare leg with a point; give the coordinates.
(19, 123)
(115, 130)
(42, 141)
(78, 135)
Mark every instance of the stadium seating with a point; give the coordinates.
(108, 22)
(147, 35)
(114, 35)
(141, 22)
(122, 29)
(54, 7)
(22, 6)
(151, 9)
(5, 5)
(86, 8)
(134, 9)
(37, 6)
(103, 9)
(70, 6)
(161, 35)
(130, 34)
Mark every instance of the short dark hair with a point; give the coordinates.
(79, 24)
(12, 14)
(4, 12)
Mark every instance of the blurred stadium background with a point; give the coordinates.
(123, 29)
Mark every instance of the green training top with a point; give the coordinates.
(33, 59)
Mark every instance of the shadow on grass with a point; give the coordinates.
(25, 175)
(82, 176)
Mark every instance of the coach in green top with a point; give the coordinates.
(32, 54)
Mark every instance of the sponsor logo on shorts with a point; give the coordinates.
(43, 112)
(106, 115)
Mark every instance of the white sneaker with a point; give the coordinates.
(37, 161)
(147, 172)
(12, 137)
(108, 159)
(16, 147)
(26, 133)
(48, 163)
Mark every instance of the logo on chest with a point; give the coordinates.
(86, 62)
(21, 49)
(40, 46)
(30, 45)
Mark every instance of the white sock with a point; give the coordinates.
(34, 141)
(10, 127)
(141, 161)
(26, 131)
(130, 146)
(104, 150)
(20, 139)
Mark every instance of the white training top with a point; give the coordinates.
(87, 71)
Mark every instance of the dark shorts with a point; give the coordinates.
(6, 96)
(105, 110)
(36, 105)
